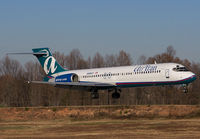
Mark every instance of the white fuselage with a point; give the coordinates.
(133, 76)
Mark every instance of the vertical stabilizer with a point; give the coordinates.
(48, 62)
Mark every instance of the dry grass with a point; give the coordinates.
(148, 122)
(58, 129)
(98, 112)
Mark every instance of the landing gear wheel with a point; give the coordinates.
(185, 91)
(185, 88)
(116, 95)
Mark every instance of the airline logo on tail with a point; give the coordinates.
(49, 67)
(48, 62)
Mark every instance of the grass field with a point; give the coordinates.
(99, 129)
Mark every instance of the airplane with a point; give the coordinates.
(111, 78)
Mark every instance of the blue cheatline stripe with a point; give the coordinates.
(134, 84)
(140, 84)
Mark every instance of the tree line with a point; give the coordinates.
(16, 92)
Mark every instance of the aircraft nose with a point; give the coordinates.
(193, 77)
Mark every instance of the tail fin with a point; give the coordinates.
(48, 62)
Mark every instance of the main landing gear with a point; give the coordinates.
(115, 94)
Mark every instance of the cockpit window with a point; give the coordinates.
(180, 69)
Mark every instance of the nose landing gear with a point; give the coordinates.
(185, 88)
(115, 94)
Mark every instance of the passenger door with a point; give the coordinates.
(167, 73)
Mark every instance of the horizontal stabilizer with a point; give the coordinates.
(39, 53)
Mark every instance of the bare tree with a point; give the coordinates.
(168, 56)
(89, 62)
(34, 71)
(124, 59)
(74, 59)
(98, 61)
(111, 61)
(60, 57)
(171, 51)
(10, 67)
(142, 60)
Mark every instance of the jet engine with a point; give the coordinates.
(71, 77)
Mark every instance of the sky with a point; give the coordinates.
(139, 27)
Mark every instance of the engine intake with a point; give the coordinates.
(74, 78)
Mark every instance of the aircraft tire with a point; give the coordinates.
(115, 95)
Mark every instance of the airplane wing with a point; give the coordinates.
(77, 84)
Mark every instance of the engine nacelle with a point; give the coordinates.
(71, 77)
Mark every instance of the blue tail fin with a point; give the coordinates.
(48, 62)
